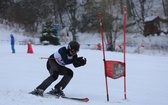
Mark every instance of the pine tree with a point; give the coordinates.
(49, 33)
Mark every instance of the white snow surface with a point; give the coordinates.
(146, 78)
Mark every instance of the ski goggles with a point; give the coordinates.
(74, 51)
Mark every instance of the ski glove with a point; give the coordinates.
(81, 61)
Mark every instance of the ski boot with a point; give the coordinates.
(37, 92)
(57, 92)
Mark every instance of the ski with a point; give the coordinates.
(65, 97)
(77, 99)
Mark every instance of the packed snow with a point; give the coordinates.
(146, 77)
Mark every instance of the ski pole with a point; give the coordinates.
(47, 58)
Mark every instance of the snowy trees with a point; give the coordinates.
(78, 15)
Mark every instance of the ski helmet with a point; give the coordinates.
(73, 46)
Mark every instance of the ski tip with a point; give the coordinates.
(86, 99)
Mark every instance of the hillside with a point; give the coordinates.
(136, 43)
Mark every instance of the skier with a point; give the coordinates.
(56, 66)
(12, 43)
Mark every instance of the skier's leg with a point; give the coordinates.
(53, 70)
(68, 74)
(47, 82)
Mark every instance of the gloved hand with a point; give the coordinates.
(81, 61)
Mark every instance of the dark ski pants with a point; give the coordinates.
(55, 70)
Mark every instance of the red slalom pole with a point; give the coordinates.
(101, 31)
(125, 18)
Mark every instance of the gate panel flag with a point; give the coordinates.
(114, 69)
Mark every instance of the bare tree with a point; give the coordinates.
(112, 20)
(140, 10)
(59, 8)
(89, 18)
(129, 8)
(72, 7)
(165, 7)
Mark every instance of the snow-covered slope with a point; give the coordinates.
(22, 72)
